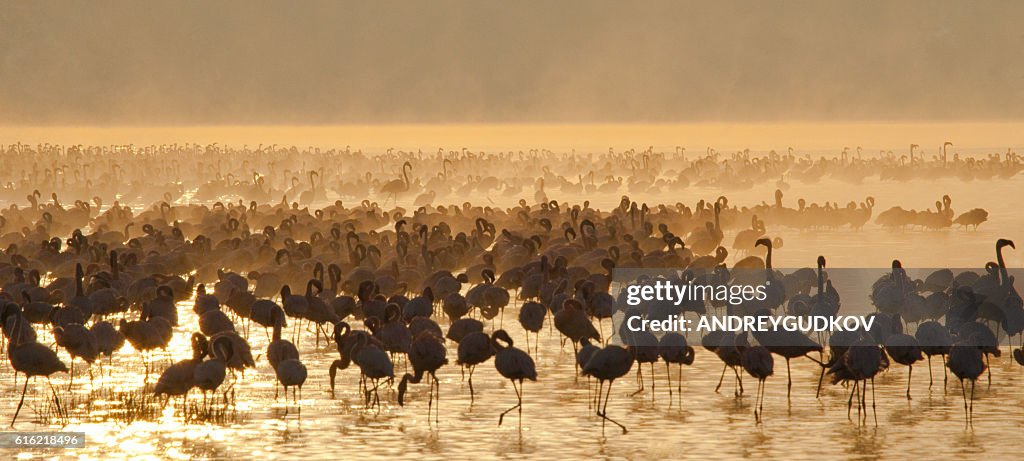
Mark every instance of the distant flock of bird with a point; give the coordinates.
(386, 284)
(191, 172)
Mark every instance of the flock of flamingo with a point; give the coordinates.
(102, 245)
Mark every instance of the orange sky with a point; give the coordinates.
(188, 62)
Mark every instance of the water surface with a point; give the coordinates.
(557, 423)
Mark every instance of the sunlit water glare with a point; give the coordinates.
(557, 423)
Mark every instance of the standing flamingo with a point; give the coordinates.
(934, 339)
(860, 363)
(394, 187)
(513, 364)
(374, 364)
(608, 364)
(967, 363)
(179, 378)
(758, 362)
(79, 341)
(208, 375)
(673, 348)
(904, 349)
(531, 317)
(279, 349)
(474, 348)
(291, 373)
(587, 351)
(30, 358)
(786, 343)
(427, 355)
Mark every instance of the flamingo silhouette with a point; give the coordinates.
(514, 365)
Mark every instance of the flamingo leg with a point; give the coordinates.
(21, 402)
(849, 403)
(71, 380)
(639, 379)
(789, 380)
(501, 418)
(821, 377)
(679, 385)
(963, 390)
(604, 411)
(437, 409)
(874, 407)
(368, 395)
(862, 411)
(945, 372)
(668, 374)
(988, 366)
(970, 412)
(739, 381)
(430, 401)
(590, 394)
(376, 395)
(910, 374)
(930, 380)
(654, 381)
(574, 352)
(757, 400)
(761, 405)
(522, 390)
(720, 378)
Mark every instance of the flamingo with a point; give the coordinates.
(860, 363)
(758, 362)
(474, 348)
(427, 355)
(904, 349)
(673, 348)
(967, 364)
(514, 365)
(31, 359)
(608, 364)
(397, 186)
(374, 364)
(531, 318)
(179, 378)
(587, 351)
(291, 373)
(208, 375)
(788, 345)
(279, 349)
(79, 341)
(934, 339)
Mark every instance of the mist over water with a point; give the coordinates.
(819, 139)
(454, 61)
(455, 81)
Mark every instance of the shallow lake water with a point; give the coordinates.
(556, 420)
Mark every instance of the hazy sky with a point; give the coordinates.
(247, 62)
